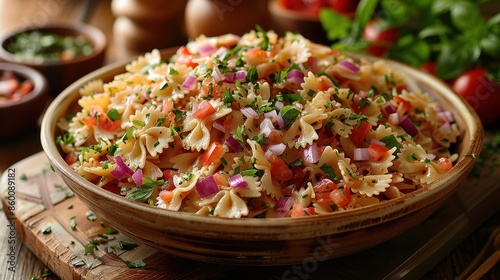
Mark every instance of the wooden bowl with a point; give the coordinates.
(21, 115)
(61, 74)
(268, 241)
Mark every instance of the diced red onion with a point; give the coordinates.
(122, 169)
(229, 77)
(249, 112)
(266, 126)
(138, 177)
(207, 186)
(377, 142)
(283, 206)
(221, 52)
(237, 182)
(311, 153)
(278, 149)
(241, 76)
(295, 77)
(279, 104)
(394, 118)
(189, 82)
(445, 128)
(447, 116)
(206, 50)
(361, 154)
(233, 144)
(431, 156)
(275, 117)
(217, 75)
(219, 125)
(389, 109)
(349, 66)
(409, 126)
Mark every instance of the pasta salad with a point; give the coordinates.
(258, 126)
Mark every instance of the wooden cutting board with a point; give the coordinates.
(75, 244)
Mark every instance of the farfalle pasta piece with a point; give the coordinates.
(92, 87)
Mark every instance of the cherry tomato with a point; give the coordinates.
(344, 6)
(380, 39)
(429, 67)
(480, 92)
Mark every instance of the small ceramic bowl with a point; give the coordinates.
(20, 107)
(283, 20)
(267, 241)
(61, 74)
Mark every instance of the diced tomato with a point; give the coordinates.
(185, 57)
(111, 187)
(107, 123)
(167, 106)
(204, 111)
(324, 83)
(376, 151)
(358, 134)
(89, 121)
(213, 154)
(340, 198)
(228, 122)
(323, 197)
(298, 174)
(310, 211)
(405, 104)
(297, 210)
(445, 164)
(322, 189)
(166, 196)
(168, 176)
(279, 169)
(325, 185)
(220, 180)
(71, 158)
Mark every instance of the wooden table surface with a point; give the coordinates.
(18, 13)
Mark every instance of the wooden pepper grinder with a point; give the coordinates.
(218, 17)
(143, 25)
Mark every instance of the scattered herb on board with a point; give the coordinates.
(72, 223)
(489, 158)
(90, 216)
(47, 230)
(23, 177)
(135, 263)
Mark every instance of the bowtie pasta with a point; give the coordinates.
(258, 126)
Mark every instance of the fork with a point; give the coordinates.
(482, 263)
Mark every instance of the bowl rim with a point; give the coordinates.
(90, 32)
(459, 170)
(40, 84)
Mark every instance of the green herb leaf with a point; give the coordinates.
(457, 56)
(127, 245)
(114, 115)
(239, 133)
(328, 171)
(336, 25)
(289, 114)
(72, 223)
(292, 97)
(141, 193)
(89, 249)
(252, 75)
(390, 142)
(47, 230)
(135, 263)
(411, 50)
(466, 16)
